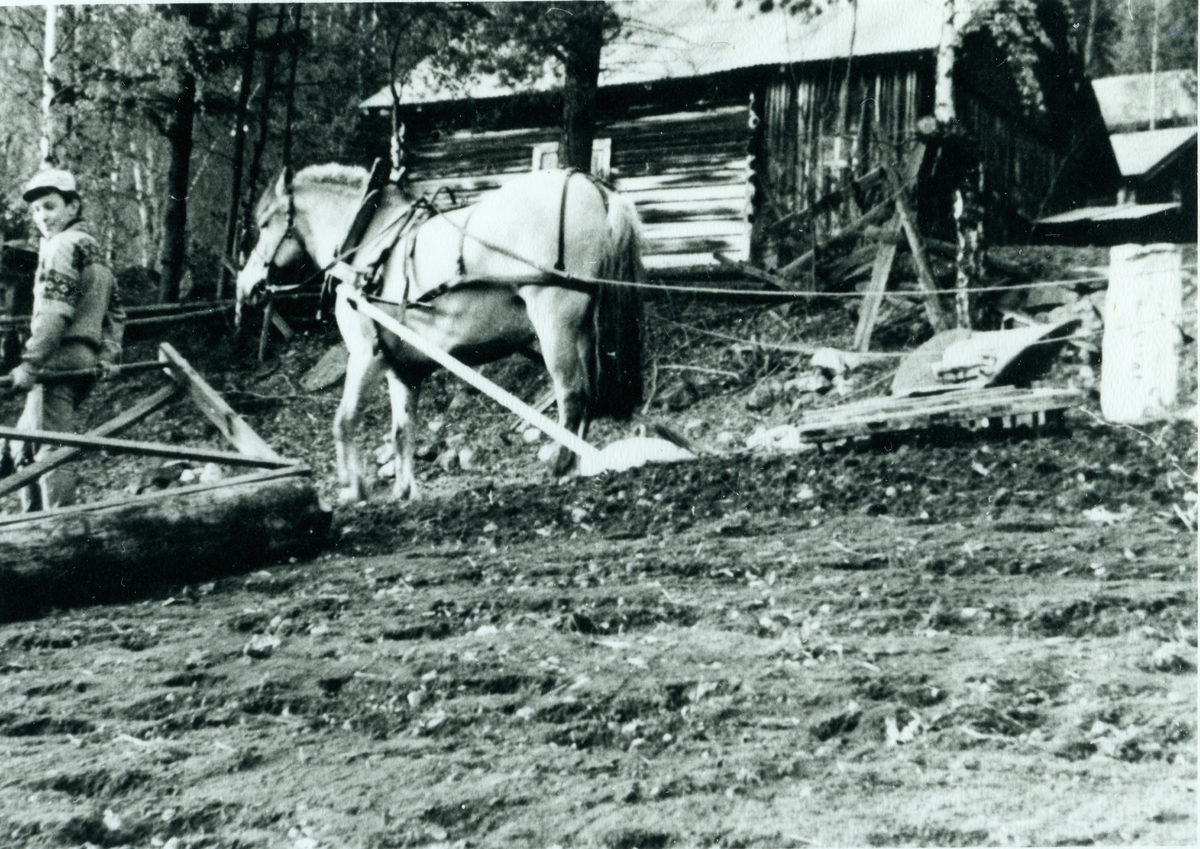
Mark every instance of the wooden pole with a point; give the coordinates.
(265, 336)
(885, 255)
(143, 449)
(232, 426)
(82, 554)
(925, 281)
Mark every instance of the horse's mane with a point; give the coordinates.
(331, 173)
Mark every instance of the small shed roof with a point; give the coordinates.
(1138, 154)
(689, 38)
(1125, 99)
(1124, 212)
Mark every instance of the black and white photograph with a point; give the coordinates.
(614, 424)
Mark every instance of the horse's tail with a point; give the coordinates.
(615, 365)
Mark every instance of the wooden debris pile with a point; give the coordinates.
(214, 524)
(882, 253)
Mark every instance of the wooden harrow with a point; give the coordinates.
(79, 553)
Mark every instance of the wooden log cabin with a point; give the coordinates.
(726, 125)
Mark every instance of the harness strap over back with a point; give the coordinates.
(367, 207)
(561, 263)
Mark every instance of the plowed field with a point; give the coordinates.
(948, 639)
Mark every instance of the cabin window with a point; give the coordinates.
(545, 155)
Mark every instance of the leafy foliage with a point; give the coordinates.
(1016, 30)
(523, 41)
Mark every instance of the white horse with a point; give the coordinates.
(488, 267)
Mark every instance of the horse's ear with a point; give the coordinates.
(281, 186)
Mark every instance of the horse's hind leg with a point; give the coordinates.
(564, 349)
(362, 370)
(404, 418)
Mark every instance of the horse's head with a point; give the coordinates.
(278, 244)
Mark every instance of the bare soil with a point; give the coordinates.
(931, 640)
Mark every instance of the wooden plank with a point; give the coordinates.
(735, 172)
(895, 414)
(698, 259)
(885, 255)
(660, 215)
(697, 229)
(719, 193)
(750, 271)
(232, 426)
(939, 401)
(28, 474)
(280, 324)
(732, 246)
(144, 449)
(875, 215)
(925, 281)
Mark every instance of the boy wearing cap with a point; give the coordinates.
(77, 324)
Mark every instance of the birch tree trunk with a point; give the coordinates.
(51, 133)
(145, 217)
(943, 89)
(961, 157)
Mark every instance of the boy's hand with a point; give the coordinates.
(23, 377)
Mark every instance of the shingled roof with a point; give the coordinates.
(1125, 100)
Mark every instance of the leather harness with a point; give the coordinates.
(405, 236)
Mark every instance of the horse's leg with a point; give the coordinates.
(362, 370)
(404, 418)
(557, 317)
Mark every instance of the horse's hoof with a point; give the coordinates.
(351, 495)
(564, 467)
(405, 493)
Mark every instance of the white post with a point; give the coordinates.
(1140, 368)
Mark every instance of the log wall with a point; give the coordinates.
(688, 173)
(805, 154)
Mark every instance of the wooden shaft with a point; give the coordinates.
(145, 449)
(501, 396)
(52, 376)
(265, 336)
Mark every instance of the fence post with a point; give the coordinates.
(1140, 368)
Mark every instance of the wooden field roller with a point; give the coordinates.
(109, 549)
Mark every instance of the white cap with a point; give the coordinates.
(49, 180)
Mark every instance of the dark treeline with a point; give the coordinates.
(175, 117)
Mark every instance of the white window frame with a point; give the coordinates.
(601, 156)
